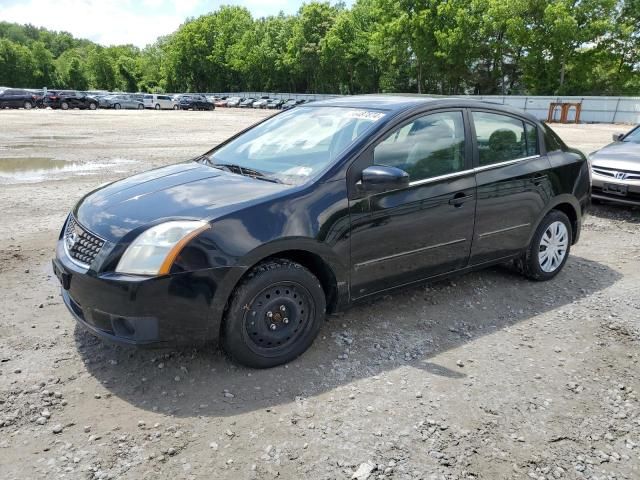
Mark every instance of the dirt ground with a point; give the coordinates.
(487, 376)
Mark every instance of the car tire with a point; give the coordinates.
(28, 105)
(64, 106)
(93, 106)
(549, 248)
(117, 106)
(274, 314)
(175, 107)
(140, 107)
(157, 107)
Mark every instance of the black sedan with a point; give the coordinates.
(616, 169)
(68, 99)
(195, 102)
(313, 209)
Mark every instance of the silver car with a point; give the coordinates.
(615, 169)
(121, 101)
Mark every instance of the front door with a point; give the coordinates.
(425, 229)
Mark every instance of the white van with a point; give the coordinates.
(159, 102)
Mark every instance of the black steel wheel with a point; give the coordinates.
(274, 315)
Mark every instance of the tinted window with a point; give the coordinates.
(500, 138)
(163, 97)
(429, 146)
(532, 139)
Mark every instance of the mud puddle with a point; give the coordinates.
(41, 169)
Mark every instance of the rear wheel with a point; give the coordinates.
(28, 105)
(140, 106)
(274, 315)
(549, 248)
(157, 107)
(64, 106)
(93, 106)
(117, 106)
(175, 107)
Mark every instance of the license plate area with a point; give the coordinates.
(615, 189)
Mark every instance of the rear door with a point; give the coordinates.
(513, 183)
(425, 229)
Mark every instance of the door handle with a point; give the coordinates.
(459, 198)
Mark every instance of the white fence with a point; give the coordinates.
(594, 109)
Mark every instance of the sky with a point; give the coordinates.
(112, 22)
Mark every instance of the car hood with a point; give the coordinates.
(186, 190)
(618, 155)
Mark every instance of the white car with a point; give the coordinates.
(159, 102)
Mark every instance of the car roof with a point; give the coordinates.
(408, 101)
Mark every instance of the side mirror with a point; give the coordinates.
(380, 178)
(618, 137)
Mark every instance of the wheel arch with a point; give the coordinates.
(568, 205)
(312, 261)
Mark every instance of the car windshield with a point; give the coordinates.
(633, 136)
(296, 145)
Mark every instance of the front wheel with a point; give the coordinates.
(157, 107)
(274, 315)
(117, 106)
(93, 106)
(64, 106)
(549, 247)
(28, 105)
(140, 106)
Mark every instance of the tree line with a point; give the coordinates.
(534, 47)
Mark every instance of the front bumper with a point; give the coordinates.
(601, 190)
(168, 311)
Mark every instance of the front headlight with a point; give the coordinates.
(154, 250)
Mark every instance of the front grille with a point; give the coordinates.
(80, 244)
(617, 174)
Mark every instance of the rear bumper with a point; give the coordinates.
(168, 311)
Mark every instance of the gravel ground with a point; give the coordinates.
(485, 376)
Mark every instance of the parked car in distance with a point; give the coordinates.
(260, 103)
(275, 103)
(121, 101)
(247, 102)
(221, 102)
(18, 98)
(158, 102)
(68, 99)
(234, 101)
(195, 102)
(291, 103)
(615, 169)
(313, 210)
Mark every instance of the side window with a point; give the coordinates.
(429, 146)
(500, 138)
(532, 139)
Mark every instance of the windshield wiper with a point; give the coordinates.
(234, 168)
(245, 171)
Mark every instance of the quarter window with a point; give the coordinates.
(429, 146)
(502, 138)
